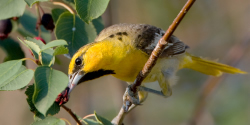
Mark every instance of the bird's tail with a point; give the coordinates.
(208, 67)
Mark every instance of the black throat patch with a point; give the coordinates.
(95, 74)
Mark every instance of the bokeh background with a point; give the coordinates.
(216, 29)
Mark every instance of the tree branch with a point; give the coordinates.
(154, 56)
(72, 114)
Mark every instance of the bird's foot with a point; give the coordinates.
(130, 98)
(63, 97)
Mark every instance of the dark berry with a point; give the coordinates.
(5, 28)
(39, 38)
(47, 22)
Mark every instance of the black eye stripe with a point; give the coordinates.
(78, 61)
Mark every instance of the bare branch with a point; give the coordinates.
(72, 114)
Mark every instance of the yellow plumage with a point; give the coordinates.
(208, 67)
(122, 50)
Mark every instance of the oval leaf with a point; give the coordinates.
(49, 121)
(90, 9)
(48, 84)
(11, 8)
(34, 45)
(19, 80)
(8, 69)
(54, 43)
(76, 32)
(61, 50)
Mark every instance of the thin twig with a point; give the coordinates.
(154, 56)
(66, 6)
(72, 114)
(234, 55)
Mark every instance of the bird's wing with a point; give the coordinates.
(150, 37)
(143, 37)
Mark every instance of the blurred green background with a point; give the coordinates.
(211, 29)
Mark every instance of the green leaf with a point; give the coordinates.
(56, 13)
(19, 80)
(29, 92)
(34, 45)
(102, 120)
(48, 84)
(49, 121)
(8, 69)
(73, 30)
(35, 49)
(38, 42)
(54, 109)
(46, 57)
(90, 122)
(11, 8)
(99, 25)
(12, 49)
(54, 43)
(31, 2)
(61, 50)
(90, 9)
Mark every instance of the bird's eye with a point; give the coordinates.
(78, 61)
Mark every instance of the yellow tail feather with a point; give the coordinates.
(208, 67)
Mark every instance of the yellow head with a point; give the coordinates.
(90, 62)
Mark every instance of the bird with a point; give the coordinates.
(121, 50)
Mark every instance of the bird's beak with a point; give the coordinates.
(74, 79)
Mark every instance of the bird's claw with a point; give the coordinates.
(63, 97)
(130, 98)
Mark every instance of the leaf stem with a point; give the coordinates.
(30, 60)
(72, 114)
(90, 115)
(66, 6)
